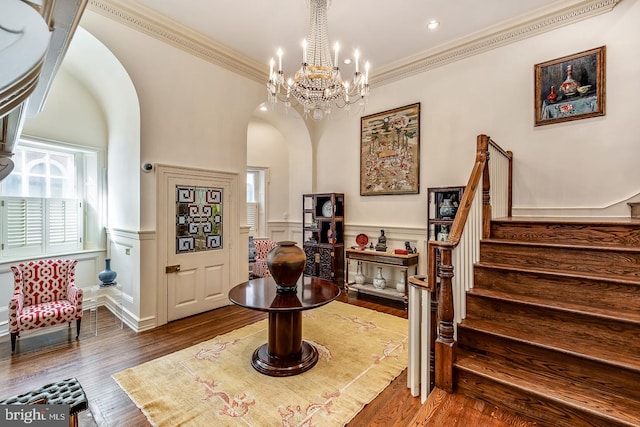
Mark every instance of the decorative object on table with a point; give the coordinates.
(323, 236)
(379, 282)
(569, 87)
(253, 251)
(362, 240)
(286, 263)
(583, 90)
(381, 246)
(359, 278)
(443, 234)
(407, 246)
(552, 94)
(107, 276)
(401, 252)
(580, 79)
(443, 204)
(390, 152)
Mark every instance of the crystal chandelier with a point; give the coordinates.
(318, 85)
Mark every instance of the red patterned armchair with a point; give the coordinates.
(263, 246)
(44, 294)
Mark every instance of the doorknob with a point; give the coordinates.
(172, 268)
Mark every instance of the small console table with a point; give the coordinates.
(389, 259)
(112, 291)
(285, 353)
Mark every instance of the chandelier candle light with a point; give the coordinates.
(318, 85)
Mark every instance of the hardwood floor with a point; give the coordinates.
(55, 355)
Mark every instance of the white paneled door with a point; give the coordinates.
(198, 245)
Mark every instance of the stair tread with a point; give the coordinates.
(619, 315)
(568, 245)
(616, 407)
(568, 220)
(558, 341)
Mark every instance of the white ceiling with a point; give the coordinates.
(386, 32)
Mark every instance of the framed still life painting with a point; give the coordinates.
(570, 88)
(390, 152)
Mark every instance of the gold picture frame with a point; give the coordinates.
(390, 152)
(570, 88)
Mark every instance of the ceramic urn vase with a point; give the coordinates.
(379, 282)
(286, 263)
(107, 276)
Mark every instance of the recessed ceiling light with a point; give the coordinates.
(432, 25)
(347, 61)
(263, 107)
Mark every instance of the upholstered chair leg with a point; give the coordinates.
(78, 321)
(14, 335)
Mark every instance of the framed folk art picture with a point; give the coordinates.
(390, 152)
(570, 88)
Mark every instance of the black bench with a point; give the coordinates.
(66, 392)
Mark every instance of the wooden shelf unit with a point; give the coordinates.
(437, 222)
(323, 236)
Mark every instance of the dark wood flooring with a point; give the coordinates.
(48, 357)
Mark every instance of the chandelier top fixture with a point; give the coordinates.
(318, 85)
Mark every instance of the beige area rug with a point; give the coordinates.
(213, 383)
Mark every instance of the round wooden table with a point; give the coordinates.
(285, 353)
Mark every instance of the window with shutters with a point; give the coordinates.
(42, 200)
(256, 201)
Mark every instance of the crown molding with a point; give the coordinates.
(560, 14)
(171, 32)
(546, 19)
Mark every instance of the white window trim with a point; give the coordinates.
(263, 202)
(91, 234)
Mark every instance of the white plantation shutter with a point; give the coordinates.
(23, 225)
(34, 226)
(253, 213)
(63, 224)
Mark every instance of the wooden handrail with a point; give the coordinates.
(440, 269)
(463, 210)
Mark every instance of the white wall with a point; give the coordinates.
(588, 163)
(71, 114)
(192, 114)
(268, 148)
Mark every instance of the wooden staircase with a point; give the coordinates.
(552, 330)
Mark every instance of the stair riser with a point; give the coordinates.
(579, 260)
(536, 407)
(598, 376)
(580, 290)
(580, 234)
(617, 334)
